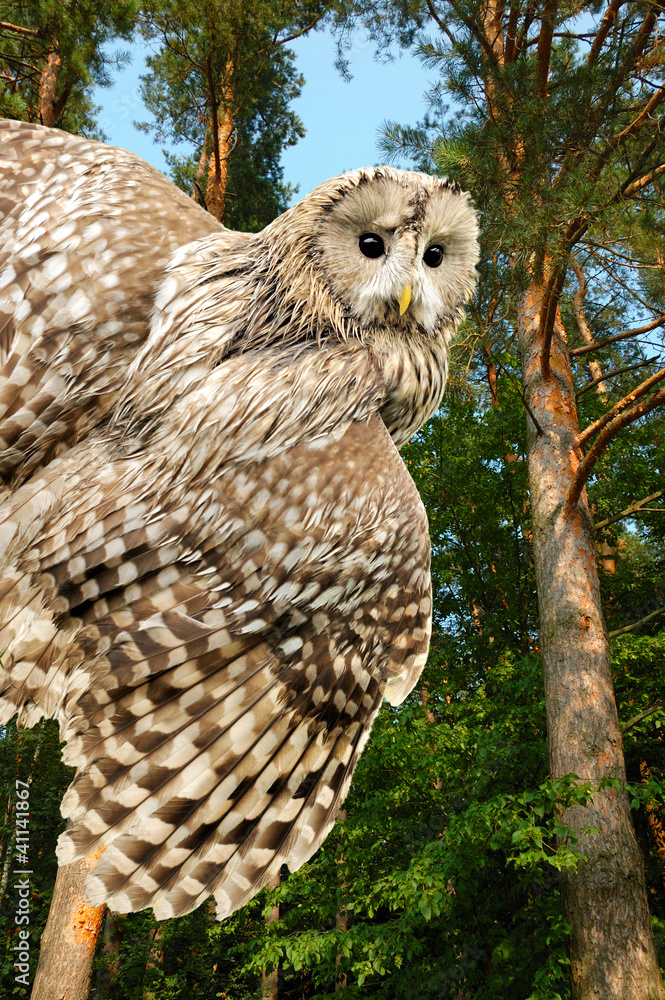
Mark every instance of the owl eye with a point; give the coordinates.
(371, 245)
(433, 255)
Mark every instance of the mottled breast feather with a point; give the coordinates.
(213, 562)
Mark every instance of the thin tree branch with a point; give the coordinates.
(617, 371)
(608, 433)
(548, 315)
(619, 407)
(649, 710)
(214, 124)
(632, 509)
(595, 370)
(19, 62)
(615, 141)
(609, 18)
(19, 29)
(539, 429)
(578, 301)
(624, 335)
(510, 47)
(442, 26)
(299, 34)
(631, 628)
(598, 111)
(634, 173)
(642, 182)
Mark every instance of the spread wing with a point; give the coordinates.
(215, 639)
(234, 641)
(85, 233)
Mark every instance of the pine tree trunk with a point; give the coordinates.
(111, 939)
(342, 924)
(612, 950)
(270, 980)
(342, 915)
(197, 190)
(155, 961)
(222, 125)
(69, 938)
(48, 82)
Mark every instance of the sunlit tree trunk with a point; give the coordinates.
(197, 192)
(68, 943)
(612, 950)
(222, 126)
(48, 82)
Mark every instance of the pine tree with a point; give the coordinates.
(52, 53)
(222, 79)
(556, 130)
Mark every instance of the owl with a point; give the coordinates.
(214, 564)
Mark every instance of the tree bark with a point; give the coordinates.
(342, 915)
(612, 950)
(270, 980)
(341, 923)
(111, 941)
(222, 124)
(201, 169)
(70, 936)
(155, 960)
(48, 82)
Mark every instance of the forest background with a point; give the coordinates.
(504, 834)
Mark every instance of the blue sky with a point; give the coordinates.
(341, 118)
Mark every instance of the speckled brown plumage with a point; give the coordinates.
(214, 563)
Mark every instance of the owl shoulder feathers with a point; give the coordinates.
(85, 234)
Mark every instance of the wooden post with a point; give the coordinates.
(70, 936)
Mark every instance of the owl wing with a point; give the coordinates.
(85, 233)
(235, 646)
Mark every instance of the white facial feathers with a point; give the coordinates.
(410, 213)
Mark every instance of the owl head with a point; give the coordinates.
(380, 258)
(380, 247)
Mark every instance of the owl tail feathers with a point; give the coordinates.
(281, 812)
(289, 832)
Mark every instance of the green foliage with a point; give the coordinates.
(212, 61)
(446, 865)
(256, 192)
(31, 756)
(442, 880)
(79, 31)
(193, 957)
(447, 872)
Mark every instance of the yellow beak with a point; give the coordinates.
(404, 299)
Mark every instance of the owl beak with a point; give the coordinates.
(404, 299)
